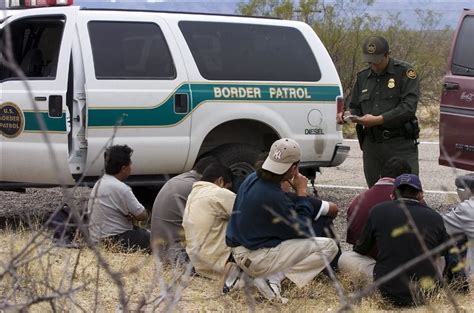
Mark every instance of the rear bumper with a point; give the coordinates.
(341, 153)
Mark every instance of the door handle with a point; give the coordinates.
(181, 103)
(451, 86)
(55, 106)
(41, 98)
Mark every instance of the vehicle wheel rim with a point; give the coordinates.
(241, 169)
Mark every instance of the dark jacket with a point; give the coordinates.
(397, 244)
(260, 208)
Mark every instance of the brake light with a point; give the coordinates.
(341, 104)
(47, 3)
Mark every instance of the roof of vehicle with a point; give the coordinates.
(467, 11)
(150, 11)
(177, 12)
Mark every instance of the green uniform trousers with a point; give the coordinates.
(375, 154)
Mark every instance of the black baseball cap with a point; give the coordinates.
(374, 49)
(408, 179)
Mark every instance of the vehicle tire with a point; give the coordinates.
(146, 195)
(240, 158)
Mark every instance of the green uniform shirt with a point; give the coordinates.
(393, 94)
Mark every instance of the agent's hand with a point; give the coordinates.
(370, 120)
(340, 117)
(300, 183)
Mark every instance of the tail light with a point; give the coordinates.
(46, 3)
(341, 104)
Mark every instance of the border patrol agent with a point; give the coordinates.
(384, 101)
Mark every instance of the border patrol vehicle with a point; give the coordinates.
(173, 86)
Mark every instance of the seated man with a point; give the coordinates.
(167, 233)
(460, 219)
(325, 211)
(268, 232)
(359, 208)
(205, 220)
(389, 226)
(112, 205)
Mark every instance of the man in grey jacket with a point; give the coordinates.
(167, 233)
(460, 219)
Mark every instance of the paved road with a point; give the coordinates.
(434, 177)
(342, 183)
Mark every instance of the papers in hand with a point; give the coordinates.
(351, 118)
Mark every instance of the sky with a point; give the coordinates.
(449, 11)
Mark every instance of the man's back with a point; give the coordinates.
(359, 209)
(168, 209)
(397, 243)
(110, 204)
(460, 220)
(205, 222)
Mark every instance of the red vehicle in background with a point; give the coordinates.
(456, 129)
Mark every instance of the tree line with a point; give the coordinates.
(343, 25)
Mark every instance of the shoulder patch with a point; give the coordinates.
(411, 74)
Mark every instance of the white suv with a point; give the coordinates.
(172, 86)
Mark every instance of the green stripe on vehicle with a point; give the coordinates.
(274, 93)
(57, 124)
(164, 115)
(198, 93)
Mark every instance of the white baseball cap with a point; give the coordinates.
(283, 153)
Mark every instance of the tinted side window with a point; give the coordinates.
(123, 50)
(34, 44)
(463, 57)
(228, 51)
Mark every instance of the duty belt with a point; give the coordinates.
(379, 134)
(392, 133)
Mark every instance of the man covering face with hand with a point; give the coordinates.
(269, 233)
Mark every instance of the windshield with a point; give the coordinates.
(463, 56)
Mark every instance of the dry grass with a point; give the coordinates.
(428, 116)
(54, 270)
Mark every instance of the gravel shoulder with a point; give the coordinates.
(41, 202)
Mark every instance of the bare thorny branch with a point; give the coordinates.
(347, 301)
(18, 266)
(31, 252)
